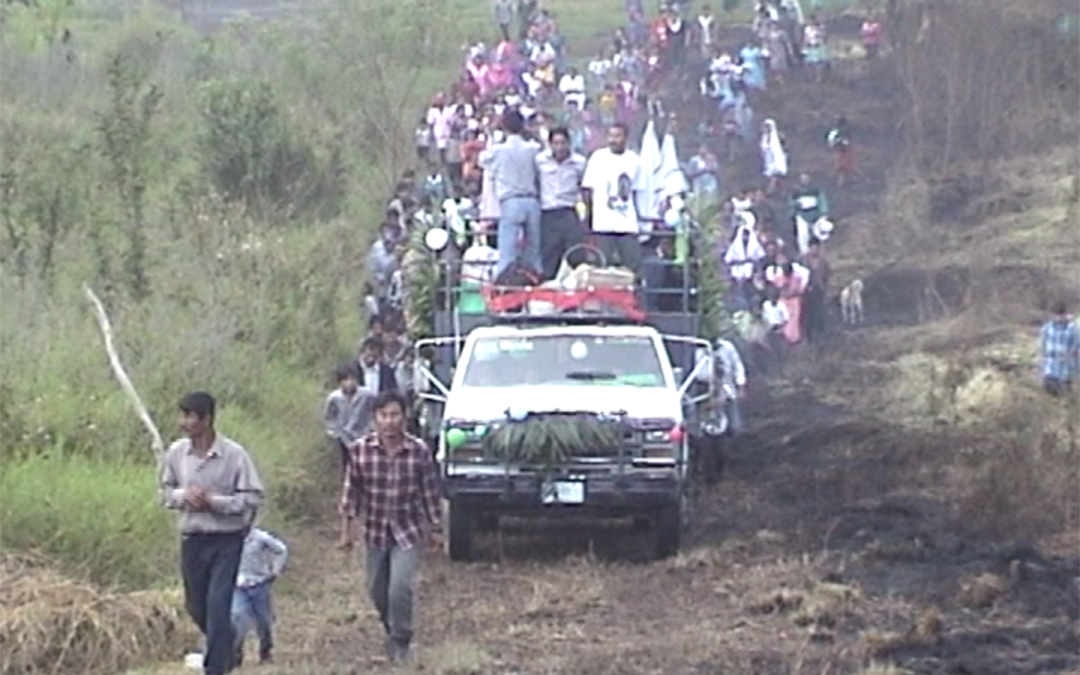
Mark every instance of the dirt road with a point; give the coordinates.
(823, 550)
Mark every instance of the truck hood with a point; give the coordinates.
(484, 403)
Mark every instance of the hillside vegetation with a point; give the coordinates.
(906, 501)
(217, 193)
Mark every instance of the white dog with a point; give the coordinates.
(851, 306)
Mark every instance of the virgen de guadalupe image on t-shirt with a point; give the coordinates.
(614, 178)
(620, 193)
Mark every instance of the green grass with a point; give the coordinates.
(194, 305)
(101, 517)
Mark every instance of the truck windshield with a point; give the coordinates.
(586, 361)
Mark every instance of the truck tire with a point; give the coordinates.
(461, 525)
(667, 531)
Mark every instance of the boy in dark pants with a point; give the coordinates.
(212, 481)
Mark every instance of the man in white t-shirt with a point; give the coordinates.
(440, 118)
(572, 86)
(613, 177)
(599, 69)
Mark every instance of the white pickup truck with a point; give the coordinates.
(504, 373)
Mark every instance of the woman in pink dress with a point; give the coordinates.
(499, 76)
(478, 70)
(791, 278)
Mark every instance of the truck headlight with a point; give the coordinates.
(658, 436)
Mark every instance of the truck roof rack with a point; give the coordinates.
(564, 319)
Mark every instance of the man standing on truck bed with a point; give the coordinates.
(390, 485)
(560, 170)
(613, 177)
(513, 166)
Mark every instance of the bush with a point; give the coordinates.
(252, 154)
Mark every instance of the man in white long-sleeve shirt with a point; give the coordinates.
(262, 561)
(728, 374)
(212, 482)
(732, 374)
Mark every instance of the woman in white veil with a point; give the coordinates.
(741, 257)
(773, 155)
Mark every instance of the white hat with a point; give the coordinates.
(823, 229)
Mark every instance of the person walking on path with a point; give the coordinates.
(390, 487)
(212, 481)
(261, 563)
(773, 155)
(375, 374)
(346, 412)
(838, 139)
(1060, 351)
(504, 17)
(817, 291)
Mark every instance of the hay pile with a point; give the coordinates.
(51, 624)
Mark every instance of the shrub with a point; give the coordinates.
(252, 154)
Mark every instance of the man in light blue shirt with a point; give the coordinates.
(261, 562)
(1059, 347)
(512, 164)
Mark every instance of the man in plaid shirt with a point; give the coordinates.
(390, 486)
(1060, 349)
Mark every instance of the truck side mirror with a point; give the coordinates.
(680, 374)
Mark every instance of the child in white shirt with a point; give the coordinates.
(774, 315)
(261, 563)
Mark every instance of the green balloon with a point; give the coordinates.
(480, 430)
(455, 438)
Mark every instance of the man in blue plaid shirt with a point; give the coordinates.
(1060, 351)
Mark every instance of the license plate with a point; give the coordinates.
(563, 492)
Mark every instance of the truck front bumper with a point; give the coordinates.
(610, 494)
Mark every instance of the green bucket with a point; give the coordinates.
(470, 299)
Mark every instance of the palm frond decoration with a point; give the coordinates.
(421, 277)
(712, 287)
(548, 440)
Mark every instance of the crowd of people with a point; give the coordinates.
(523, 158)
(525, 149)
